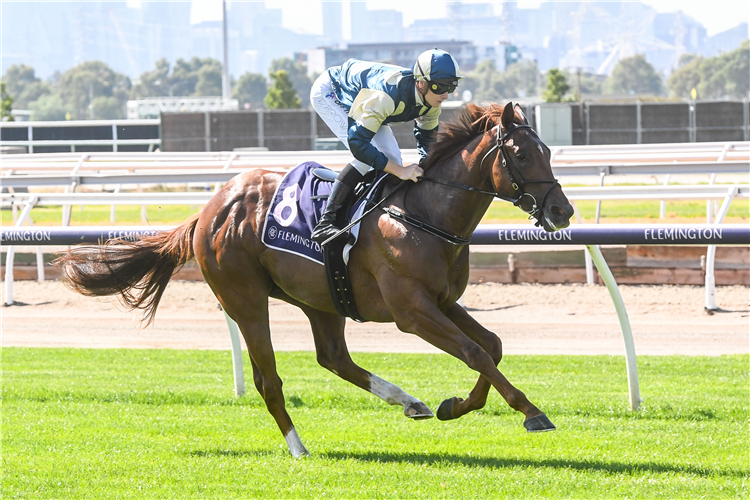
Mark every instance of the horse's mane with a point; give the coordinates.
(457, 133)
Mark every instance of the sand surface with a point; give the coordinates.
(530, 319)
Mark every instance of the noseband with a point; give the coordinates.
(517, 186)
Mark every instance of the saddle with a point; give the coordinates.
(337, 274)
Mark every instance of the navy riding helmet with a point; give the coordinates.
(439, 68)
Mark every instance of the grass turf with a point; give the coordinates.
(739, 212)
(82, 423)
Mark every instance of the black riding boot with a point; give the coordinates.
(343, 188)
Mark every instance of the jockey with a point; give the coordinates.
(358, 100)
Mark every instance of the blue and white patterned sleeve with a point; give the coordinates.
(367, 114)
(425, 131)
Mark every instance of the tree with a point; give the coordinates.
(591, 83)
(686, 78)
(723, 76)
(520, 79)
(209, 79)
(251, 89)
(634, 75)
(727, 75)
(24, 86)
(557, 86)
(282, 95)
(17, 77)
(48, 107)
(106, 108)
(484, 78)
(297, 74)
(186, 77)
(80, 85)
(196, 77)
(6, 105)
(154, 83)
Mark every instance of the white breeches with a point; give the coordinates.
(325, 103)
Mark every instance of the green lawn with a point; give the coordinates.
(164, 424)
(174, 214)
(93, 215)
(630, 209)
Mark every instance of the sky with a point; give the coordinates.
(305, 16)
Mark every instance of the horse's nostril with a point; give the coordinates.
(557, 211)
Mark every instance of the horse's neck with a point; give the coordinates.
(450, 208)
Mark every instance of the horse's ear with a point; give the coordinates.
(507, 118)
(518, 109)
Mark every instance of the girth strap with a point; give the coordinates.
(428, 228)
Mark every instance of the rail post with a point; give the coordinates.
(586, 255)
(711, 255)
(662, 203)
(10, 256)
(239, 373)
(261, 131)
(114, 138)
(622, 314)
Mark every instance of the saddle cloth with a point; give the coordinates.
(297, 206)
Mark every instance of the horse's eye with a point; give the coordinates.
(521, 157)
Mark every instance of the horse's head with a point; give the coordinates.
(521, 171)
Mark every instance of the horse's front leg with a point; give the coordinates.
(426, 320)
(456, 407)
(333, 354)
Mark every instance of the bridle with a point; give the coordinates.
(517, 186)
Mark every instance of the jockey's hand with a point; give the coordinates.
(408, 173)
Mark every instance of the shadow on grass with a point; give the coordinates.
(232, 453)
(609, 467)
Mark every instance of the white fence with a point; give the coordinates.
(27, 201)
(644, 159)
(117, 169)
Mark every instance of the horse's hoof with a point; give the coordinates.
(539, 423)
(418, 411)
(445, 410)
(301, 454)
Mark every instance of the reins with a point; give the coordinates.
(451, 238)
(517, 186)
(366, 212)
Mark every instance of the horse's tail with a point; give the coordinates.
(138, 271)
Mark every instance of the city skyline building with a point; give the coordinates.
(130, 37)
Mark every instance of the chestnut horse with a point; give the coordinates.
(399, 273)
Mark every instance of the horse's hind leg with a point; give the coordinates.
(292, 438)
(250, 311)
(457, 407)
(333, 354)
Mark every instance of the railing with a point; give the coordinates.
(72, 170)
(687, 158)
(727, 193)
(590, 236)
(99, 133)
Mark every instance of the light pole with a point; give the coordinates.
(225, 91)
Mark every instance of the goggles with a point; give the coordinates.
(441, 87)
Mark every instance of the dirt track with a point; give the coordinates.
(530, 319)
